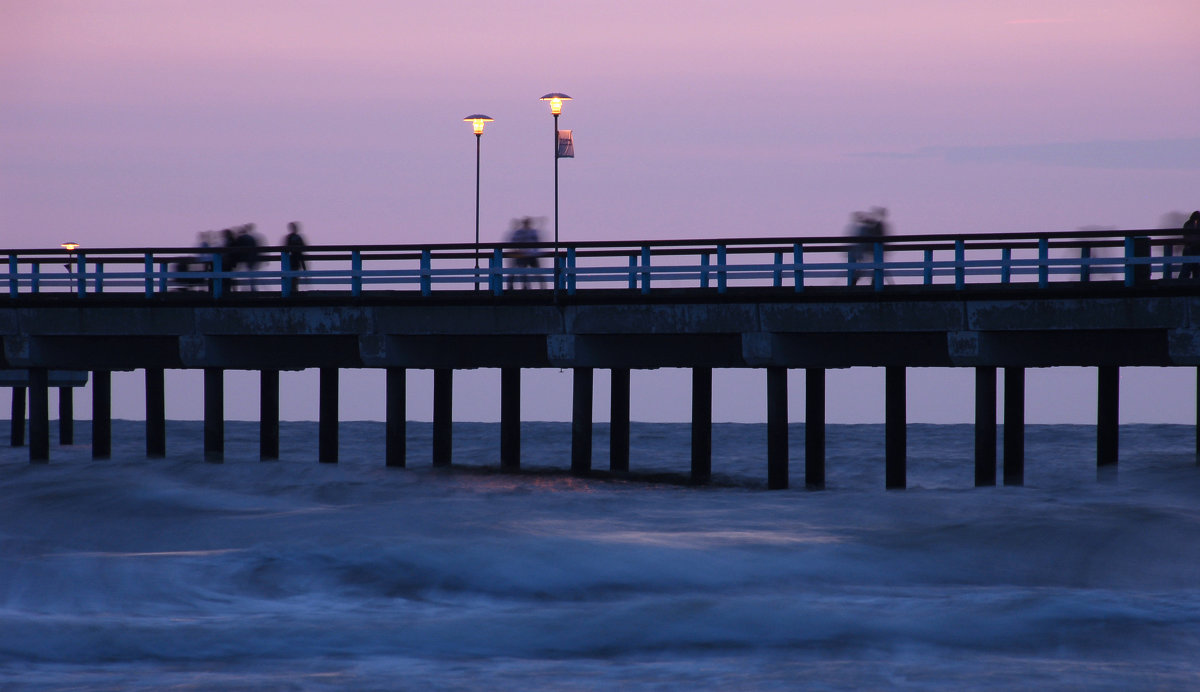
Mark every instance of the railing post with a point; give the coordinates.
(148, 271)
(495, 272)
(929, 267)
(777, 273)
(877, 270)
(704, 270)
(1005, 265)
(356, 273)
(798, 272)
(35, 281)
(81, 276)
(1137, 274)
(570, 273)
(645, 269)
(960, 269)
(1043, 262)
(163, 267)
(1085, 269)
(218, 283)
(1166, 264)
(99, 277)
(285, 281)
(721, 277)
(633, 260)
(13, 282)
(426, 279)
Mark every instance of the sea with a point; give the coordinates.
(135, 573)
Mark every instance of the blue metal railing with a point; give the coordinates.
(1128, 257)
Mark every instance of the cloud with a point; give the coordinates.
(1152, 154)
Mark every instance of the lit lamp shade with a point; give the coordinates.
(477, 122)
(70, 246)
(555, 100)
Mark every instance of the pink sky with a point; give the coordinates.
(143, 122)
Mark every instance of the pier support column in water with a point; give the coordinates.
(814, 428)
(327, 426)
(443, 416)
(17, 424)
(268, 415)
(396, 434)
(510, 418)
(39, 415)
(1108, 384)
(701, 425)
(101, 414)
(1014, 426)
(581, 421)
(618, 428)
(214, 414)
(985, 426)
(896, 427)
(156, 414)
(66, 416)
(777, 428)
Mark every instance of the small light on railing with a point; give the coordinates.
(69, 246)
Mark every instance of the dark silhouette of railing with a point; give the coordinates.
(1128, 257)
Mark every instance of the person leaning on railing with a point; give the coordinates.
(1191, 246)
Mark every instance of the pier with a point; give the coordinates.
(996, 303)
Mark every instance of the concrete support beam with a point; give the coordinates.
(268, 415)
(701, 425)
(618, 429)
(101, 414)
(510, 419)
(17, 434)
(327, 414)
(581, 421)
(214, 415)
(66, 416)
(156, 414)
(39, 415)
(1014, 426)
(1108, 383)
(396, 433)
(814, 428)
(896, 427)
(985, 426)
(443, 416)
(777, 428)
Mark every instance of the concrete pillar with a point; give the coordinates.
(327, 426)
(701, 425)
(510, 419)
(1108, 383)
(814, 428)
(101, 414)
(39, 415)
(443, 416)
(156, 414)
(618, 429)
(985, 426)
(66, 416)
(268, 415)
(17, 434)
(581, 421)
(896, 427)
(396, 442)
(1014, 426)
(214, 414)
(777, 429)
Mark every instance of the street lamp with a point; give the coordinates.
(70, 247)
(477, 121)
(556, 100)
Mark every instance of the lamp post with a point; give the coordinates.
(477, 121)
(556, 100)
(70, 247)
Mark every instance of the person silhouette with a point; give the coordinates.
(294, 242)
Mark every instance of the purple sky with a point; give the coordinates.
(144, 122)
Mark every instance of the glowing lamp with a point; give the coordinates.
(69, 246)
(556, 99)
(477, 122)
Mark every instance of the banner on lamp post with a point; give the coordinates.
(566, 145)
